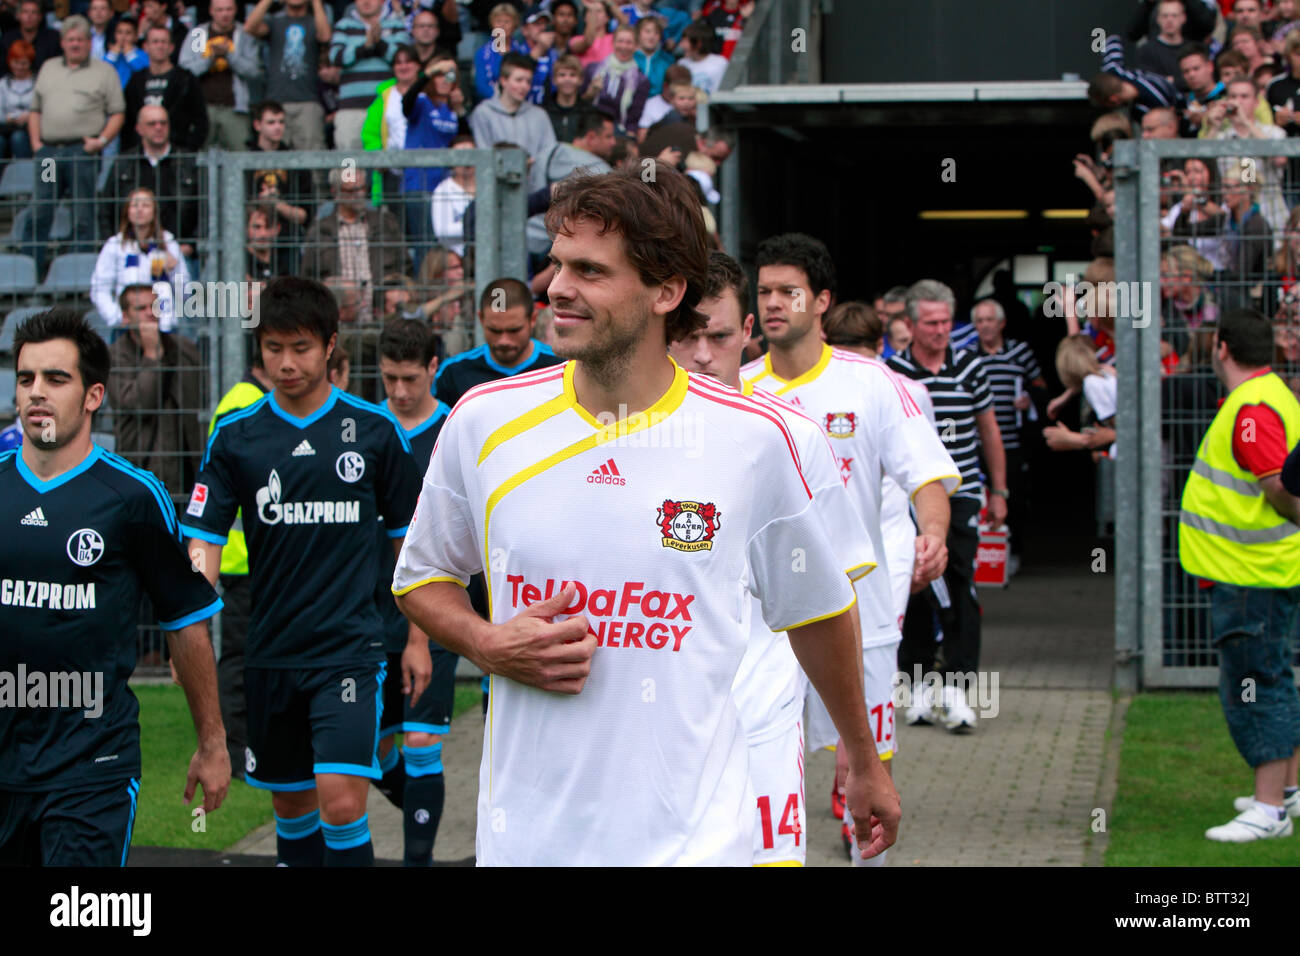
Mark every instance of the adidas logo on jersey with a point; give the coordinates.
(36, 519)
(304, 448)
(606, 474)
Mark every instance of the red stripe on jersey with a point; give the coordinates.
(522, 380)
(910, 407)
(729, 399)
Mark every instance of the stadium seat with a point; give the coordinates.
(15, 236)
(19, 178)
(105, 440)
(61, 227)
(18, 274)
(69, 274)
(8, 381)
(96, 322)
(10, 325)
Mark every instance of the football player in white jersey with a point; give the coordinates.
(621, 513)
(876, 429)
(769, 688)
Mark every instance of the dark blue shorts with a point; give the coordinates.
(432, 712)
(310, 721)
(81, 827)
(1254, 632)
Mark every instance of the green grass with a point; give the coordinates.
(167, 742)
(1178, 775)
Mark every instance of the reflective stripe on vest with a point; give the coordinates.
(1227, 530)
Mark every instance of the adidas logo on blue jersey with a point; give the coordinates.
(35, 518)
(304, 448)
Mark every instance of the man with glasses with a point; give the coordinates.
(356, 242)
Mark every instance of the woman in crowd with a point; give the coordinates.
(1079, 371)
(16, 101)
(140, 253)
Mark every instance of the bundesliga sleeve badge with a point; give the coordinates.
(689, 525)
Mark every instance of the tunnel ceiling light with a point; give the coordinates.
(1065, 214)
(973, 214)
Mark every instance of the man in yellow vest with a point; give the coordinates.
(235, 589)
(1239, 529)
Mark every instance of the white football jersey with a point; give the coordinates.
(896, 526)
(648, 764)
(769, 685)
(875, 429)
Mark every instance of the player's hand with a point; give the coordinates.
(1021, 401)
(417, 666)
(873, 802)
(931, 559)
(997, 510)
(210, 769)
(537, 650)
(1055, 405)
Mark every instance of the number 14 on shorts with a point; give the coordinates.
(789, 820)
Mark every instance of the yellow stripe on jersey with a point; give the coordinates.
(858, 572)
(747, 388)
(528, 420)
(668, 403)
(940, 478)
(809, 376)
(887, 755)
(781, 863)
(419, 584)
(824, 617)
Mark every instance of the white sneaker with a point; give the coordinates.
(955, 713)
(1250, 825)
(922, 711)
(1290, 804)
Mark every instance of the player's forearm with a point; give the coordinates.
(995, 455)
(443, 612)
(1283, 502)
(196, 667)
(830, 655)
(933, 512)
(206, 558)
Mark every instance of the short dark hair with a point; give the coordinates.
(267, 106)
(1194, 49)
(565, 3)
(725, 274)
(155, 26)
(517, 295)
(699, 30)
(591, 119)
(133, 287)
(289, 303)
(408, 340)
(92, 351)
(852, 323)
(520, 61)
(1248, 336)
(661, 224)
(803, 251)
(1102, 87)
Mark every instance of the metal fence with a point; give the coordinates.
(77, 232)
(1201, 226)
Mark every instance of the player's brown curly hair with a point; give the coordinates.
(657, 212)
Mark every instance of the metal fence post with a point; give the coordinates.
(512, 208)
(1128, 540)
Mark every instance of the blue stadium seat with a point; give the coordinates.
(10, 325)
(8, 382)
(15, 236)
(19, 178)
(69, 274)
(96, 322)
(18, 274)
(61, 227)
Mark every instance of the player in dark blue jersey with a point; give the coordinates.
(413, 777)
(313, 469)
(506, 314)
(85, 535)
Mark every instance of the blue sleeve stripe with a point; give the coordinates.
(152, 483)
(238, 414)
(463, 356)
(378, 410)
(397, 532)
(192, 532)
(6, 455)
(188, 619)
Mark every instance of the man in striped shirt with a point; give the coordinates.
(364, 42)
(1011, 370)
(1118, 86)
(963, 409)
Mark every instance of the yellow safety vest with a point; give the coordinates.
(1227, 530)
(234, 556)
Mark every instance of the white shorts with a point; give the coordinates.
(879, 664)
(776, 774)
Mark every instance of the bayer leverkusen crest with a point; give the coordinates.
(841, 424)
(689, 525)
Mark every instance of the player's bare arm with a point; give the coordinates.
(531, 648)
(827, 652)
(996, 459)
(206, 558)
(933, 514)
(196, 668)
(417, 664)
